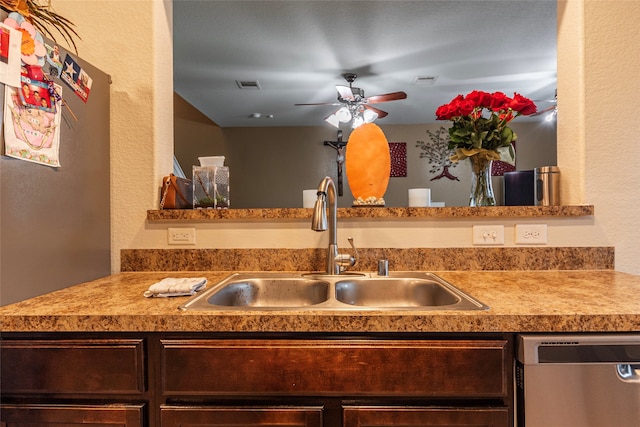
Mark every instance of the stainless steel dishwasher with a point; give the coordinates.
(578, 380)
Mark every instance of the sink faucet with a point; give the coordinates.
(336, 263)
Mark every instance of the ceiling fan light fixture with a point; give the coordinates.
(333, 120)
(357, 122)
(355, 105)
(343, 114)
(369, 115)
(552, 115)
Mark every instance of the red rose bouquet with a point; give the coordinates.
(480, 123)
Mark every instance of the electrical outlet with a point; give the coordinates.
(182, 236)
(488, 234)
(531, 234)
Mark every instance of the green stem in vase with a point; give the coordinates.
(481, 185)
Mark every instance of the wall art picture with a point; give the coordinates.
(31, 134)
(398, 152)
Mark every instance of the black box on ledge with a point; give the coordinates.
(519, 188)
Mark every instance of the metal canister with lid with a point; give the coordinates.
(547, 186)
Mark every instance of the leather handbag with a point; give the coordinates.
(176, 193)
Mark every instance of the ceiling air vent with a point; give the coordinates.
(424, 80)
(248, 84)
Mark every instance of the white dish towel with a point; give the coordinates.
(174, 287)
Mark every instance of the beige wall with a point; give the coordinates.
(598, 147)
(598, 129)
(132, 41)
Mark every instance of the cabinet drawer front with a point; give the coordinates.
(174, 416)
(340, 368)
(111, 366)
(72, 415)
(372, 416)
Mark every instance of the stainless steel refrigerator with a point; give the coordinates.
(55, 222)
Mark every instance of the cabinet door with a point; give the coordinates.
(203, 416)
(24, 415)
(382, 416)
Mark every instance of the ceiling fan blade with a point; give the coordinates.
(554, 99)
(553, 107)
(345, 92)
(320, 103)
(393, 96)
(379, 112)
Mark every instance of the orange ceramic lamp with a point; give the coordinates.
(368, 164)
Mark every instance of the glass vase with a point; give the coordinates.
(481, 186)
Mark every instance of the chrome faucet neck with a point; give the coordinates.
(327, 190)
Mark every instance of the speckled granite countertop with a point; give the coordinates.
(520, 301)
(365, 212)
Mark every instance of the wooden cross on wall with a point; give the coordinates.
(339, 147)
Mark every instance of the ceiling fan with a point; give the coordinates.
(355, 105)
(551, 111)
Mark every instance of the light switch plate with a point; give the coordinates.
(488, 234)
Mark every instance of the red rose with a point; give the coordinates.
(457, 107)
(445, 112)
(465, 107)
(480, 98)
(499, 101)
(523, 105)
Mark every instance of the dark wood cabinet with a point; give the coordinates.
(355, 367)
(46, 381)
(176, 416)
(295, 380)
(52, 415)
(375, 416)
(73, 366)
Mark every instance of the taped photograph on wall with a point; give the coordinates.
(31, 134)
(76, 78)
(35, 94)
(10, 40)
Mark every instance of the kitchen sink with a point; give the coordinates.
(274, 292)
(395, 292)
(319, 291)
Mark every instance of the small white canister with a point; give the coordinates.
(419, 197)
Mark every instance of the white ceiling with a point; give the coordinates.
(297, 51)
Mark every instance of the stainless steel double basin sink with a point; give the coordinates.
(318, 291)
